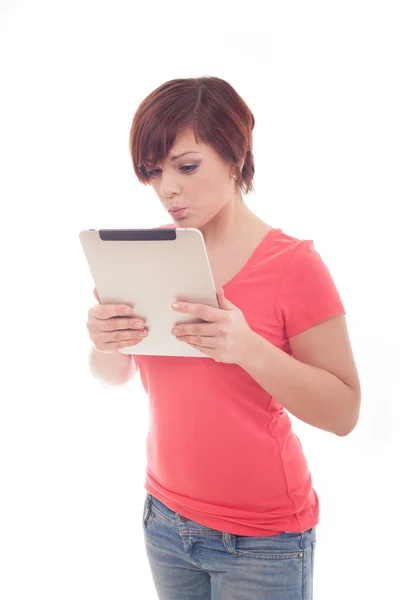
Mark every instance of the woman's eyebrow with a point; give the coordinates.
(183, 154)
(147, 164)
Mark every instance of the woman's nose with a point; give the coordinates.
(168, 186)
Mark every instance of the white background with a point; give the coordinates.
(322, 80)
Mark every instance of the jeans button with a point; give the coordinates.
(182, 518)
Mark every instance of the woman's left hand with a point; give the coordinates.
(226, 335)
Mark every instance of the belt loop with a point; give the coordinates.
(228, 540)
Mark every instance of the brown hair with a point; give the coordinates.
(218, 115)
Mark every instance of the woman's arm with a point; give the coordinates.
(112, 369)
(319, 384)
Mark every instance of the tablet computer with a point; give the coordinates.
(150, 269)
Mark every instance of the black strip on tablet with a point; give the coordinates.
(147, 235)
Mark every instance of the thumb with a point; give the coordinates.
(224, 303)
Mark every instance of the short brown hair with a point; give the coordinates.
(218, 115)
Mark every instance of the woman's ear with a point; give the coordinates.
(236, 169)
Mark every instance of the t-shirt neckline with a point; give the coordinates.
(259, 249)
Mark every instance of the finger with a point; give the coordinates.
(201, 342)
(110, 337)
(114, 324)
(207, 313)
(109, 348)
(107, 311)
(96, 295)
(117, 323)
(202, 329)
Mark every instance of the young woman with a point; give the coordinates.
(230, 510)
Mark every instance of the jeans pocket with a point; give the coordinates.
(279, 547)
(313, 556)
(146, 510)
(312, 567)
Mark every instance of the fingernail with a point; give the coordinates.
(127, 311)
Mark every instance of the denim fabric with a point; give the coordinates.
(189, 561)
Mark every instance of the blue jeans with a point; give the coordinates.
(189, 561)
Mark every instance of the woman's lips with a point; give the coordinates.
(177, 214)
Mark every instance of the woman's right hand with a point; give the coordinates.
(110, 329)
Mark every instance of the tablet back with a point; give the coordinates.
(149, 269)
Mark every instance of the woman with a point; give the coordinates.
(230, 510)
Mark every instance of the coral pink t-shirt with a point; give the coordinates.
(220, 449)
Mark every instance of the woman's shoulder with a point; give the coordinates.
(283, 244)
(283, 235)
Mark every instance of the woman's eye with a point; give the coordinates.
(152, 173)
(183, 169)
(191, 167)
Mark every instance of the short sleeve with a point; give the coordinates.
(307, 293)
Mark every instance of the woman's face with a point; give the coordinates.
(201, 182)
